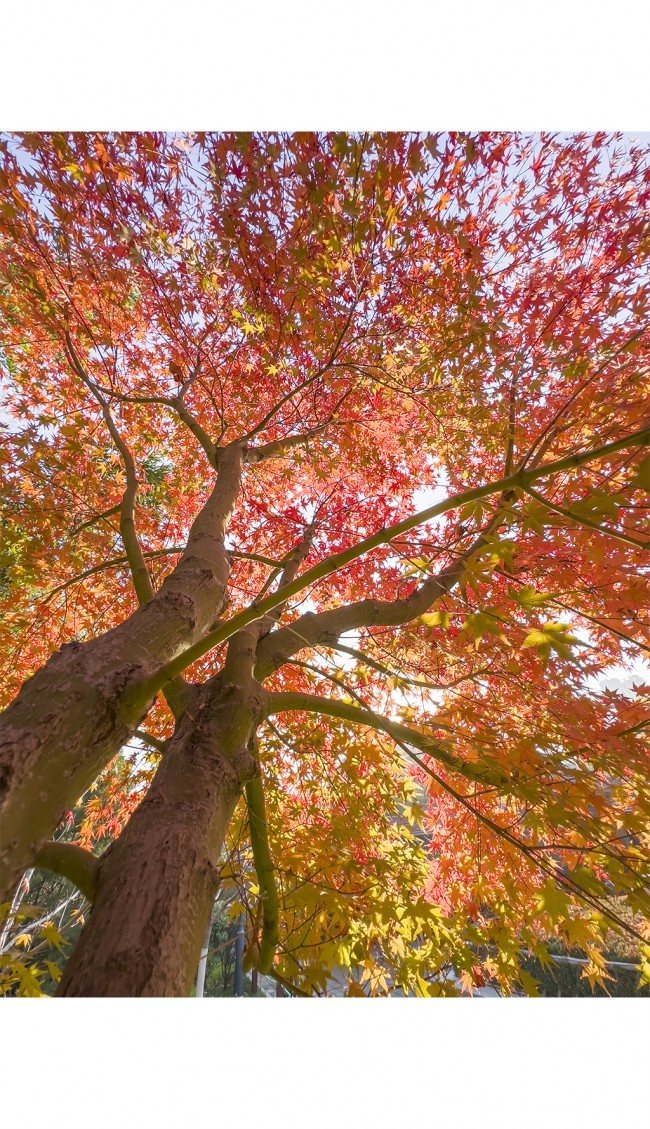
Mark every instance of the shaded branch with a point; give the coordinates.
(279, 446)
(293, 701)
(265, 873)
(95, 518)
(149, 739)
(366, 660)
(72, 862)
(115, 563)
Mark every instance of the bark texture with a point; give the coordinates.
(67, 722)
(157, 883)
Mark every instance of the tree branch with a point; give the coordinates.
(324, 628)
(331, 564)
(72, 862)
(601, 623)
(551, 430)
(115, 563)
(512, 418)
(265, 873)
(149, 739)
(309, 380)
(292, 701)
(579, 520)
(279, 446)
(176, 403)
(198, 432)
(141, 578)
(241, 656)
(176, 691)
(255, 557)
(291, 564)
(284, 983)
(95, 518)
(528, 850)
(205, 563)
(280, 404)
(366, 660)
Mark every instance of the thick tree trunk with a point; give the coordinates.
(157, 883)
(66, 723)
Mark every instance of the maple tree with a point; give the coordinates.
(325, 491)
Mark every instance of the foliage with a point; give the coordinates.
(385, 323)
(50, 911)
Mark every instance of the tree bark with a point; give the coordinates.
(157, 883)
(67, 722)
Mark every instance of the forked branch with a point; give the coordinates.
(325, 568)
(141, 578)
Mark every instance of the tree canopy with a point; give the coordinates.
(325, 512)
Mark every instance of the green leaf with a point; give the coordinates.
(645, 966)
(529, 597)
(52, 936)
(435, 619)
(485, 623)
(530, 986)
(552, 636)
(554, 901)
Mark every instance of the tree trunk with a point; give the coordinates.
(66, 723)
(157, 883)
